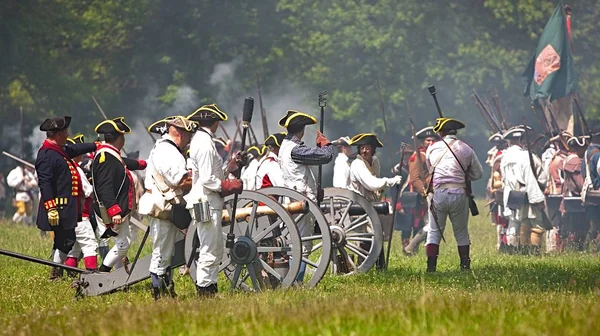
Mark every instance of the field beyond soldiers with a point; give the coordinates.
(512, 295)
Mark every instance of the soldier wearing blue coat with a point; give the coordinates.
(61, 199)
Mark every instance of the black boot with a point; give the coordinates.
(56, 273)
(433, 250)
(465, 260)
(208, 291)
(104, 269)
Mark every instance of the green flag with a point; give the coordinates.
(551, 73)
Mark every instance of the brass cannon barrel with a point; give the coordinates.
(263, 210)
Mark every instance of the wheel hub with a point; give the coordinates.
(338, 235)
(243, 251)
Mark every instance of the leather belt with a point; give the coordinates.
(451, 186)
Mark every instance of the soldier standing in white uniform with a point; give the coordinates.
(448, 184)
(209, 185)
(167, 181)
(24, 182)
(295, 159)
(341, 165)
(524, 225)
(269, 171)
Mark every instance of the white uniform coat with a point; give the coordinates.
(207, 173)
(22, 181)
(248, 176)
(341, 172)
(365, 178)
(517, 175)
(167, 162)
(269, 166)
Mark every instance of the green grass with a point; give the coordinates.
(515, 295)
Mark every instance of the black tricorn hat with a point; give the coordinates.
(425, 133)
(275, 139)
(76, 139)
(208, 112)
(116, 125)
(295, 120)
(55, 124)
(255, 151)
(447, 124)
(159, 127)
(365, 139)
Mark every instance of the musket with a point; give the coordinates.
(18, 159)
(542, 119)
(496, 100)
(468, 187)
(489, 123)
(398, 195)
(253, 134)
(263, 113)
(486, 112)
(414, 136)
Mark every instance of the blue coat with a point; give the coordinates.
(58, 183)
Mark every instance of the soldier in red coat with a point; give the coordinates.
(61, 200)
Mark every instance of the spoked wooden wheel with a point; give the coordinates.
(267, 249)
(356, 231)
(317, 242)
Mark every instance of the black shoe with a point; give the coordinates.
(431, 264)
(56, 273)
(104, 269)
(208, 291)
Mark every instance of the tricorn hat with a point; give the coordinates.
(447, 124)
(343, 141)
(182, 123)
(208, 112)
(580, 141)
(365, 139)
(55, 124)
(496, 138)
(425, 133)
(562, 134)
(254, 151)
(116, 125)
(76, 139)
(159, 127)
(275, 139)
(516, 132)
(296, 120)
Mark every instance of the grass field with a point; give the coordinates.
(512, 295)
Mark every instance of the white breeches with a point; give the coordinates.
(122, 243)
(210, 235)
(163, 235)
(99, 230)
(455, 206)
(85, 240)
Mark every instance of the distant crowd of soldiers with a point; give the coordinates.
(552, 197)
